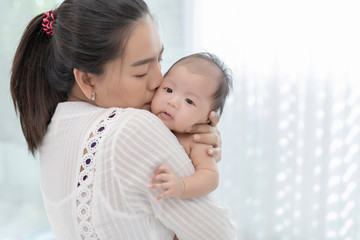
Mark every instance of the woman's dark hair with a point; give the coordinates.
(87, 34)
(225, 80)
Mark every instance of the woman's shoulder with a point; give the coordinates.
(139, 113)
(140, 117)
(130, 111)
(133, 123)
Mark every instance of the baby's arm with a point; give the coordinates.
(206, 176)
(203, 181)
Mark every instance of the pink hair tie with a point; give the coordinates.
(48, 21)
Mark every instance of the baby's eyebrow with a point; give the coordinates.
(169, 80)
(192, 94)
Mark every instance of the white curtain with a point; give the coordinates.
(291, 128)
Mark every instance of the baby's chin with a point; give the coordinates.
(175, 129)
(171, 127)
(180, 130)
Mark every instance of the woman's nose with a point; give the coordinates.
(156, 78)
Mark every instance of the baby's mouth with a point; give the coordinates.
(165, 115)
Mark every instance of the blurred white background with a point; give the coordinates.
(290, 129)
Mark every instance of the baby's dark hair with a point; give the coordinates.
(226, 82)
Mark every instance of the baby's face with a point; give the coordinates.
(183, 99)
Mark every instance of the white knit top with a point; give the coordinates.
(96, 165)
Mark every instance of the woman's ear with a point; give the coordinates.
(85, 82)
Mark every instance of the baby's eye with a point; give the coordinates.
(169, 90)
(189, 101)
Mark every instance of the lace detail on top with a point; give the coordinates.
(86, 178)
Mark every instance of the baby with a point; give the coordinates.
(193, 87)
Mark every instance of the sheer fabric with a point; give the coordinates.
(122, 206)
(291, 129)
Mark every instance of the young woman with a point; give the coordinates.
(83, 79)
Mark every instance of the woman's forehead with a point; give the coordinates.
(144, 42)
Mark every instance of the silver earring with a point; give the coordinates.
(92, 96)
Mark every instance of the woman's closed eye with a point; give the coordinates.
(141, 75)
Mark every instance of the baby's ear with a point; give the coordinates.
(207, 119)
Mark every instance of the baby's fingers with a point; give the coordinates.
(164, 186)
(162, 169)
(163, 195)
(161, 177)
(159, 186)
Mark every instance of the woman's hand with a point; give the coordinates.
(209, 134)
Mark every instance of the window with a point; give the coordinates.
(291, 132)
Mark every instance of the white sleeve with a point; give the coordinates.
(141, 146)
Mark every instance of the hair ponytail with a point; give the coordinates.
(34, 100)
(87, 34)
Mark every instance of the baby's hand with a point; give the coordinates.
(169, 182)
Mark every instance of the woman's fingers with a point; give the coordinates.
(208, 138)
(201, 128)
(215, 153)
(214, 118)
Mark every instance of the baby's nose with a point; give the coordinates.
(173, 102)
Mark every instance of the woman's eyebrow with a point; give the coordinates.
(147, 60)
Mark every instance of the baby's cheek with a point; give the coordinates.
(154, 106)
(183, 125)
